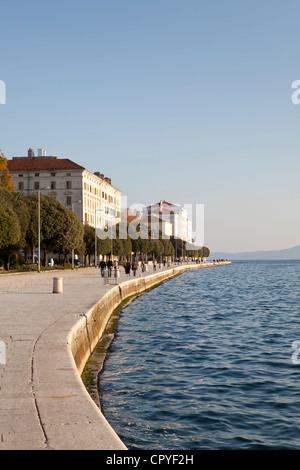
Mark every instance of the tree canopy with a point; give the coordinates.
(61, 230)
(6, 179)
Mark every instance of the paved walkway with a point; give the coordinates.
(34, 324)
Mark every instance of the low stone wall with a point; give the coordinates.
(88, 330)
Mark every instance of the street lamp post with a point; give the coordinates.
(39, 227)
(113, 217)
(73, 203)
(97, 210)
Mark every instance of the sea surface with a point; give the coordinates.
(209, 360)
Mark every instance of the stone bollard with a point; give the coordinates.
(57, 285)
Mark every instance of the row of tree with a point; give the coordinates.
(61, 231)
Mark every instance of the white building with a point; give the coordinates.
(173, 218)
(91, 195)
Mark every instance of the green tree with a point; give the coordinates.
(70, 237)
(6, 180)
(179, 246)
(31, 236)
(205, 251)
(156, 247)
(89, 241)
(168, 247)
(141, 246)
(60, 229)
(126, 247)
(17, 211)
(117, 247)
(53, 220)
(9, 228)
(103, 245)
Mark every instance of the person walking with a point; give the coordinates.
(109, 266)
(127, 268)
(116, 268)
(102, 266)
(134, 267)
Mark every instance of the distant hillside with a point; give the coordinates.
(288, 253)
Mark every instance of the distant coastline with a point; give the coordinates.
(286, 254)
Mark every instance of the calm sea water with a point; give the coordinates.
(205, 361)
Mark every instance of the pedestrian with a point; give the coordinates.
(116, 267)
(109, 266)
(102, 266)
(134, 267)
(127, 268)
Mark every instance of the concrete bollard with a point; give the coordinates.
(57, 285)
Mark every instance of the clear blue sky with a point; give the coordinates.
(183, 100)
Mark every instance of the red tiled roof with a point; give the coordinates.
(162, 204)
(27, 164)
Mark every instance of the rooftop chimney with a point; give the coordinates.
(30, 153)
(41, 153)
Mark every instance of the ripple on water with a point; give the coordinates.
(204, 362)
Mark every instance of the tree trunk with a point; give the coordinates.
(32, 253)
(7, 264)
(45, 258)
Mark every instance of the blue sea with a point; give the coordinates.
(209, 361)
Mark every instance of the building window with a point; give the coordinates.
(37, 174)
(21, 186)
(69, 184)
(68, 174)
(53, 185)
(20, 176)
(69, 201)
(36, 185)
(53, 174)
